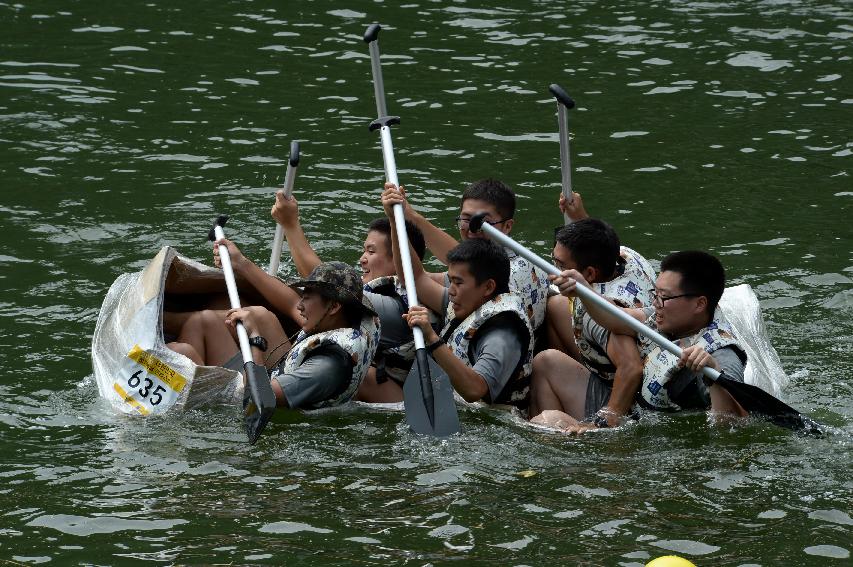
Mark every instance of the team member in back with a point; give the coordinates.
(498, 201)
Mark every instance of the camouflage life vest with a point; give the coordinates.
(660, 366)
(394, 361)
(360, 344)
(504, 309)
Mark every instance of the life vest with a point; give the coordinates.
(660, 366)
(531, 284)
(394, 361)
(504, 309)
(360, 344)
(632, 287)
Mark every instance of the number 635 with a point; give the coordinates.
(145, 391)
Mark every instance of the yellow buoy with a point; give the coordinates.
(670, 561)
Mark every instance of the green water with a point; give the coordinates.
(123, 127)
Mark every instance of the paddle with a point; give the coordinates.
(429, 403)
(751, 398)
(289, 179)
(564, 104)
(258, 397)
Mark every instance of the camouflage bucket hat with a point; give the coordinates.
(337, 281)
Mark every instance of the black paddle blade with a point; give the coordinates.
(755, 400)
(428, 397)
(258, 400)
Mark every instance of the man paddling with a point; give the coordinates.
(396, 352)
(685, 309)
(486, 338)
(329, 357)
(592, 247)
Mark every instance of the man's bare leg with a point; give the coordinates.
(558, 386)
(188, 351)
(560, 330)
(723, 405)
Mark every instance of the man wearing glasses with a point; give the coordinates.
(685, 309)
(601, 378)
(497, 200)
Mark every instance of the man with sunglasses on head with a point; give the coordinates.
(601, 378)
(684, 309)
(498, 201)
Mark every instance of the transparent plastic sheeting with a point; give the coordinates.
(763, 368)
(138, 374)
(134, 369)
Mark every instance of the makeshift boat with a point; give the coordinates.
(138, 374)
(134, 369)
(763, 368)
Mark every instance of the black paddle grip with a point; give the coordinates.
(561, 95)
(384, 121)
(220, 221)
(294, 153)
(476, 222)
(372, 33)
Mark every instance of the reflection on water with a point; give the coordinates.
(698, 125)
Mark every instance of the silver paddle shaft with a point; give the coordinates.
(565, 159)
(378, 85)
(233, 297)
(590, 297)
(278, 239)
(400, 224)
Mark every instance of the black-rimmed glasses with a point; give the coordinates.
(661, 300)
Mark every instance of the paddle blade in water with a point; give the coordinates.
(755, 400)
(428, 395)
(258, 400)
(418, 396)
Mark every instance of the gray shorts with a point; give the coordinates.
(597, 394)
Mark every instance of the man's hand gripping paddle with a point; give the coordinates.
(289, 179)
(258, 397)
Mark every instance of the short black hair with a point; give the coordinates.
(494, 192)
(416, 237)
(701, 274)
(592, 242)
(486, 260)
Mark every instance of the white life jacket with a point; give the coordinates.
(531, 284)
(632, 288)
(503, 309)
(360, 344)
(395, 361)
(660, 366)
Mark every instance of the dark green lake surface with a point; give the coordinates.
(127, 126)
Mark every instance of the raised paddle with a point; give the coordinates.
(564, 104)
(289, 179)
(430, 406)
(258, 397)
(752, 398)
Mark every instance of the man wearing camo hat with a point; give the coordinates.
(331, 353)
